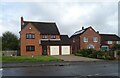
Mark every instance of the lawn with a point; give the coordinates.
(29, 59)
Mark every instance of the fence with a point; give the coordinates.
(10, 53)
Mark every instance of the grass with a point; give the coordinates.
(29, 59)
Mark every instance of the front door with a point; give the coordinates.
(44, 50)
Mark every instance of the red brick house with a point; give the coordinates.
(85, 39)
(42, 38)
(108, 40)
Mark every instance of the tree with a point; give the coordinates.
(116, 46)
(0, 43)
(10, 41)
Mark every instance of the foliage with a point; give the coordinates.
(10, 41)
(116, 46)
(28, 59)
(0, 43)
(118, 52)
(95, 54)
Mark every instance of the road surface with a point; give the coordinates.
(79, 69)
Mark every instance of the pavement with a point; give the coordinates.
(75, 58)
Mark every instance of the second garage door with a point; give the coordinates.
(65, 50)
(54, 50)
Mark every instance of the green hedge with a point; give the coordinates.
(118, 52)
(95, 54)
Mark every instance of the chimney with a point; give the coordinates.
(98, 32)
(22, 22)
(82, 28)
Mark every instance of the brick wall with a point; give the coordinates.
(80, 44)
(24, 41)
(90, 33)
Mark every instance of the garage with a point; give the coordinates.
(65, 50)
(54, 50)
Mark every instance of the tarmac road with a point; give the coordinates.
(73, 69)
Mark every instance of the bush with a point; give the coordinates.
(118, 52)
(95, 54)
(85, 52)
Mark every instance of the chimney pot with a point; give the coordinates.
(98, 32)
(82, 28)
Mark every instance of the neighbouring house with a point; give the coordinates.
(108, 40)
(86, 38)
(42, 38)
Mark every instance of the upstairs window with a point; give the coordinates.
(109, 42)
(53, 37)
(117, 42)
(30, 48)
(95, 39)
(44, 36)
(85, 39)
(30, 36)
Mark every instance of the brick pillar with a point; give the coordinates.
(70, 49)
(48, 50)
(60, 50)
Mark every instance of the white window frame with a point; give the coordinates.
(44, 36)
(110, 42)
(90, 46)
(85, 39)
(117, 42)
(95, 39)
(53, 36)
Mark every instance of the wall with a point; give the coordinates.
(90, 33)
(24, 41)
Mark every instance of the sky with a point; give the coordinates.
(70, 16)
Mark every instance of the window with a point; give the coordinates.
(30, 48)
(53, 37)
(117, 42)
(44, 36)
(30, 36)
(109, 42)
(104, 48)
(85, 39)
(95, 39)
(90, 46)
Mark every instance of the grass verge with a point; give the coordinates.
(29, 59)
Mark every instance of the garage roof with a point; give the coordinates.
(64, 41)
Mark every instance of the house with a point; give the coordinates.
(108, 40)
(42, 38)
(85, 39)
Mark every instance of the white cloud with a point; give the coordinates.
(69, 16)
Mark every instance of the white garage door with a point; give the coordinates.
(65, 50)
(54, 50)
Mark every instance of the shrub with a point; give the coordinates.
(85, 52)
(118, 52)
(95, 54)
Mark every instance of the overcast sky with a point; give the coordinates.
(69, 16)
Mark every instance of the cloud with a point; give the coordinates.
(69, 16)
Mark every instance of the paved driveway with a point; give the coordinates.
(75, 58)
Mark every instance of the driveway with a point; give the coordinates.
(75, 58)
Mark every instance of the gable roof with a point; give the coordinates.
(44, 27)
(80, 32)
(109, 37)
(64, 41)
